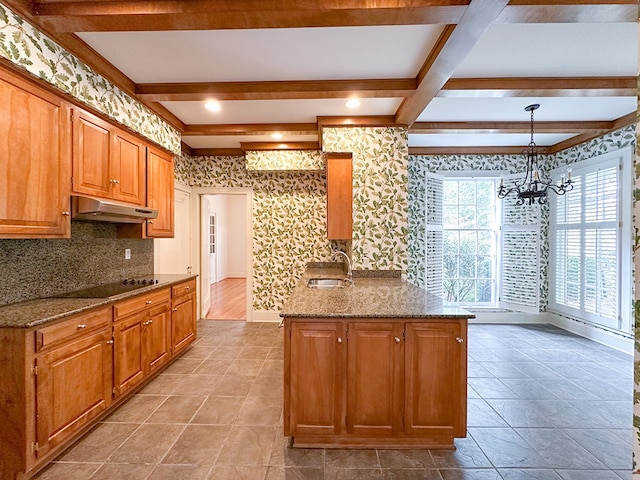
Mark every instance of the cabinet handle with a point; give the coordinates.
(459, 339)
(112, 181)
(66, 214)
(149, 302)
(174, 309)
(396, 339)
(339, 339)
(149, 221)
(110, 342)
(187, 288)
(148, 322)
(81, 326)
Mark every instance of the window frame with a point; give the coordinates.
(623, 158)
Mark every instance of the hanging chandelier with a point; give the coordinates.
(533, 188)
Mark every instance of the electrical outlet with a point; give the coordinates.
(127, 254)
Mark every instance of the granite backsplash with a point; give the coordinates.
(93, 255)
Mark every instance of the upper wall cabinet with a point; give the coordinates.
(35, 161)
(339, 196)
(107, 161)
(160, 193)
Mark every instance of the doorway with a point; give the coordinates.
(225, 254)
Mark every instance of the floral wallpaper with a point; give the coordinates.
(285, 160)
(289, 221)
(380, 201)
(30, 49)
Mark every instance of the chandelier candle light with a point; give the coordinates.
(534, 187)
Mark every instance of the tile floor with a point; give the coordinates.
(543, 405)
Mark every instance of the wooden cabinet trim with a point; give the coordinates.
(140, 302)
(66, 330)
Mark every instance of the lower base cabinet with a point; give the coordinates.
(59, 379)
(380, 383)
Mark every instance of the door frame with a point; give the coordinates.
(197, 192)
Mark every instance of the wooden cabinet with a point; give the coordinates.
(339, 196)
(141, 334)
(314, 378)
(375, 382)
(72, 371)
(107, 161)
(160, 193)
(183, 316)
(35, 161)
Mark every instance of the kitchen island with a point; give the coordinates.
(380, 364)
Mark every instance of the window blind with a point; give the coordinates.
(433, 233)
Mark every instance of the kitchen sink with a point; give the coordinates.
(326, 283)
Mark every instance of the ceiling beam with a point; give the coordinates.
(362, 121)
(508, 127)
(272, 90)
(251, 129)
(246, 146)
(217, 152)
(498, 150)
(540, 87)
(477, 18)
(156, 15)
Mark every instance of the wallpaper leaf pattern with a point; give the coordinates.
(380, 200)
(289, 221)
(28, 48)
(279, 160)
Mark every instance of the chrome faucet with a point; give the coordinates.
(346, 257)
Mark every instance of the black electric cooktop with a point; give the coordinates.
(111, 289)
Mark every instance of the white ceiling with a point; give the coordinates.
(380, 52)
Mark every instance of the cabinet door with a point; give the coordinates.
(128, 156)
(435, 376)
(160, 193)
(35, 161)
(156, 336)
(374, 378)
(73, 385)
(183, 322)
(314, 396)
(339, 197)
(128, 360)
(92, 173)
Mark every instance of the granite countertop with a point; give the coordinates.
(32, 313)
(372, 296)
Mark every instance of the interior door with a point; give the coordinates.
(205, 282)
(173, 255)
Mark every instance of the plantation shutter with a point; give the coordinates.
(433, 233)
(520, 248)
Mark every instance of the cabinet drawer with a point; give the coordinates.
(182, 288)
(71, 328)
(136, 304)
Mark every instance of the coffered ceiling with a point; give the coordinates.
(458, 73)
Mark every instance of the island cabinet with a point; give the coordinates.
(142, 327)
(107, 161)
(378, 383)
(35, 161)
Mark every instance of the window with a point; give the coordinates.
(590, 242)
(480, 251)
(470, 232)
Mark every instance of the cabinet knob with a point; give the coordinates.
(149, 302)
(148, 322)
(339, 339)
(66, 214)
(459, 339)
(174, 309)
(187, 288)
(112, 181)
(81, 326)
(149, 221)
(110, 342)
(396, 339)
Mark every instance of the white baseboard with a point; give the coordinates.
(266, 316)
(591, 332)
(506, 317)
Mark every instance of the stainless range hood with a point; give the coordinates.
(99, 210)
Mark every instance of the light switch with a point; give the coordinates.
(127, 254)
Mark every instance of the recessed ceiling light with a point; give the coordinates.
(213, 106)
(353, 103)
(276, 135)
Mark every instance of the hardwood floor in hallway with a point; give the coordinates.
(228, 300)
